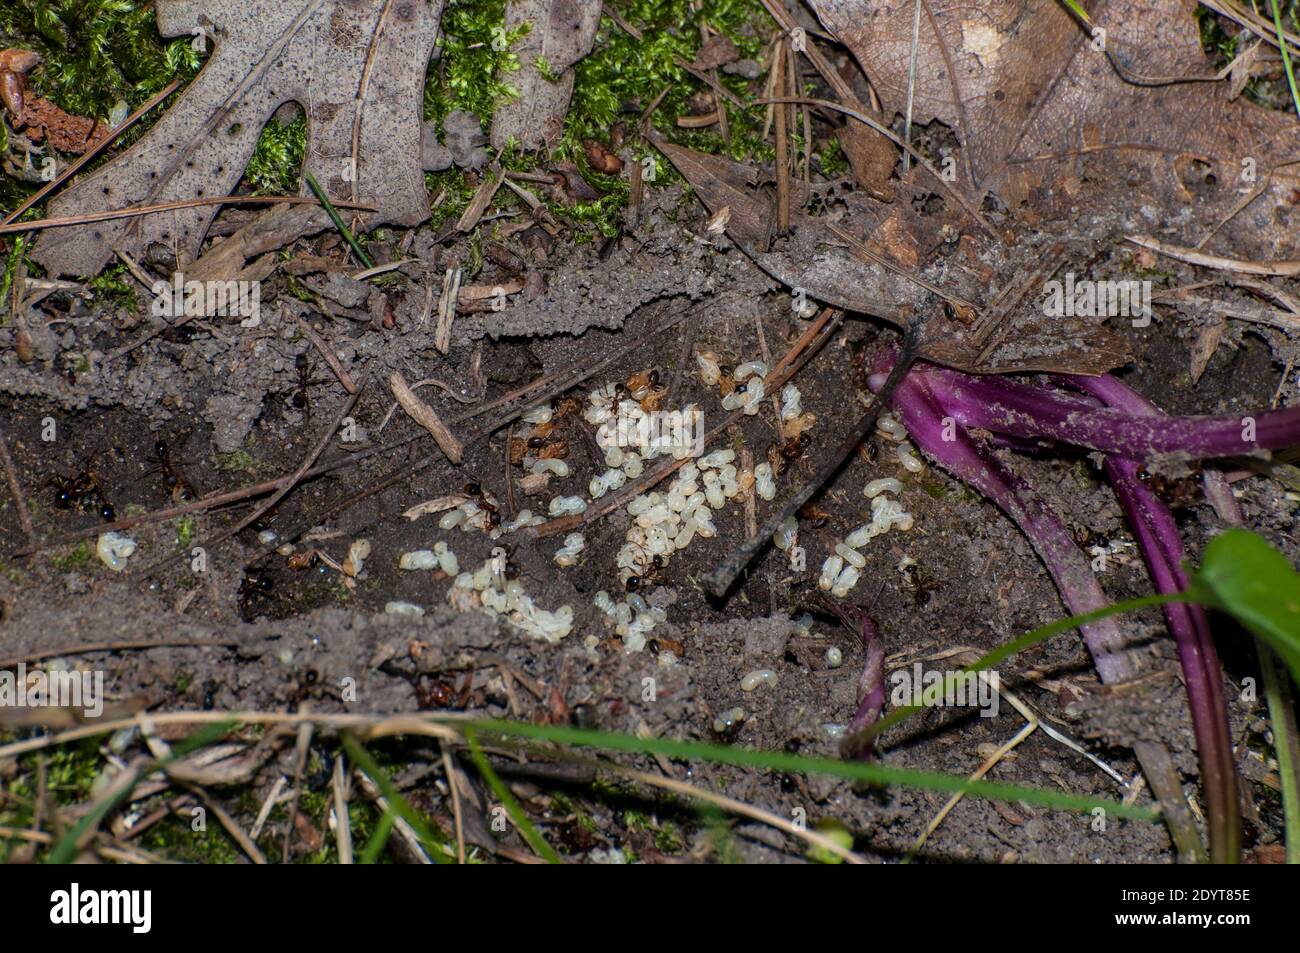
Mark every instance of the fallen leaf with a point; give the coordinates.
(717, 50)
(1045, 119)
(828, 268)
(562, 33)
(1207, 342)
(358, 66)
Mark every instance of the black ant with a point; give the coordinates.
(83, 492)
(918, 585)
(181, 491)
(475, 489)
(254, 586)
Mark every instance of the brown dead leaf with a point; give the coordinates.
(358, 65)
(1207, 342)
(716, 51)
(815, 259)
(42, 120)
(1047, 120)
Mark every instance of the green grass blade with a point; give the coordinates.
(791, 763)
(378, 840)
(338, 222)
(1023, 642)
(1286, 56)
(1282, 715)
(433, 845)
(526, 827)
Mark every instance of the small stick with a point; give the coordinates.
(89, 647)
(447, 307)
(330, 357)
(15, 490)
(426, 417)
(721, 579)
(751, 501)
(782, 146)
(342, 821)
(1285, 269)
(135, 211)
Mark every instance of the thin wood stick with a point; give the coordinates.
(330, 357)
(90, 153)
(426, 417)
(782, 145)
(1285, 269)
(15, 490)
(135, 211)
(89, 647)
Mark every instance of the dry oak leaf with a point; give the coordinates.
(1047, 119)
(356, 66)
(562, 32)
(863, 263)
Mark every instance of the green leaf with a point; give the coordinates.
(1243, 575)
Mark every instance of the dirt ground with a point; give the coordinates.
(225, 405)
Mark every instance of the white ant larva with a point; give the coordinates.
(906, 457)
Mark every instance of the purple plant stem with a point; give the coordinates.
(974, 463)
(1026, 410)
(1161, 544)
(871, 683)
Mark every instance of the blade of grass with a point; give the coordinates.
(434, 846)
(526, 827)
(801, 764)
(1282, 715)
(1020, 644)
(378, 840)
(338, 222)
(1286, 56)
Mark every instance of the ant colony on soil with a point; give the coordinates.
(633, 428)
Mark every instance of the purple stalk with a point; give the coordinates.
(973, 462)
(1162, 548)
(871, 683)
(1026, 410)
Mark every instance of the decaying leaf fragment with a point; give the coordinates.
(356, 66)
(562, 32)
(1060, 122)
(861, 265)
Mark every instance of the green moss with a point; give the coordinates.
(475, 60)
(98, 56)
(236, 461)
(276, 166)
(113, 285)
(97, 53)
(79, 557)
(175, 839)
